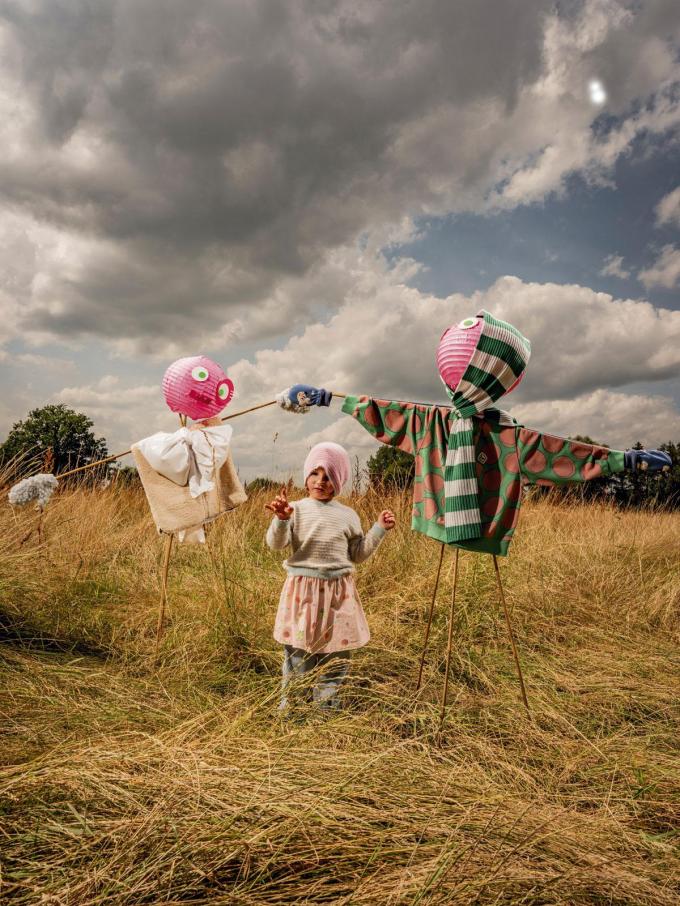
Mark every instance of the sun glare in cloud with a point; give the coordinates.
(596, 92)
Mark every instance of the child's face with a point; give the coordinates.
(319, 485)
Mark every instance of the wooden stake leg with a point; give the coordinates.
(450, 642)
(164, 595)
(512, 636)
(429, 620)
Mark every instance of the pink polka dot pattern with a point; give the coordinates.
(511, 463)
(406, 445)
(509, 517)
(529, 438)
(552, 444)
(491, 480)
(580, 451)
(430, 508)
(434, 482)
(535, 462)
(507, 437)
(395, 421)
(371, 416)
(590, 470)
(563, 467)
(513, 491)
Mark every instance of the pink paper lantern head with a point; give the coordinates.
(196, 386)
(455, 350)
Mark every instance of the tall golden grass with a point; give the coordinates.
(122, 783)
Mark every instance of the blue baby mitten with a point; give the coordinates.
(647, 460)
(300, 397)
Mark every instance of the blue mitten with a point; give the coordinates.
(300, 397)
(647, 460)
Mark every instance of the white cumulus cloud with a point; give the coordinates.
(665, 271)
(613, 267)
(668, 209)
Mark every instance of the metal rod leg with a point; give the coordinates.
(429, 620)
(512, 636)
(450, 642)
(164, 594)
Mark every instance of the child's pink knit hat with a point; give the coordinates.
(333, 459)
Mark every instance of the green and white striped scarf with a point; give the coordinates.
(500, 357)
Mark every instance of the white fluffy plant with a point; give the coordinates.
(37, 488)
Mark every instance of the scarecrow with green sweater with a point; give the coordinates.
(472, 459)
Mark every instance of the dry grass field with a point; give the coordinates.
(125, 784)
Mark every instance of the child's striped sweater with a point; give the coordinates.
(326, 538)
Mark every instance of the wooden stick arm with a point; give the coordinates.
(101, 462)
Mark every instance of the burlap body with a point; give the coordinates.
(172, 506)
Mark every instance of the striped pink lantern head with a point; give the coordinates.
(196, 386)
(455, 350)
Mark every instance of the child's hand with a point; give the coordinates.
(280, 506)
(386, 520)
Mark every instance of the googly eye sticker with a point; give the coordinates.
(467, 323)
(199, 373)
(225, 391)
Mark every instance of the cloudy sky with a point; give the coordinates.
(313, 190)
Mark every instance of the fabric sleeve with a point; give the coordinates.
(279, 532)
(397, 424)
(362, 546)
(548, 459)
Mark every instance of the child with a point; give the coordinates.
(320, 618)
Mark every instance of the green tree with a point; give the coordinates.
(64, 432)
(669, 482)
(390, 466)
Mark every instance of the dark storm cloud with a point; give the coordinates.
(252, 132)
(193, 155)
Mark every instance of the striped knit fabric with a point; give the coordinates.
(325, 537)
(500, 357)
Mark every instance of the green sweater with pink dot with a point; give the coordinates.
(506, 458)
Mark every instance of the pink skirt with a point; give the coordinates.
(321, 615)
